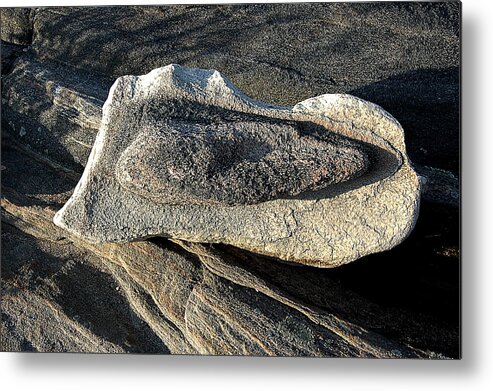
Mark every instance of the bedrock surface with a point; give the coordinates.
(173, 297)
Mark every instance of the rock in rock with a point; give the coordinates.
(182, 153)
(233, 163)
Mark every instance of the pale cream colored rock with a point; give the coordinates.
(325, 228)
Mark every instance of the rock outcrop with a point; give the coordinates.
(182, 153)
(63, 293)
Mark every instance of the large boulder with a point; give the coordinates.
(182, 153)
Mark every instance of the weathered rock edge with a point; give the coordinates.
(324, 229)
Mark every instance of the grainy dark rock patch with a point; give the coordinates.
(234, 163)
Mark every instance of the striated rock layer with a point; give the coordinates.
(182, 153)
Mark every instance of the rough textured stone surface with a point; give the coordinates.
(123, 194)
(184, 300)
(245, 161)
(440, 186)
(38, 310)
(54, 110)
(16, 25)
(403, 56)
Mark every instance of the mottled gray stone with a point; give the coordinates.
(233, 163)
(402, 56)
(56, 111)
(368, 202)
(16, 25)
